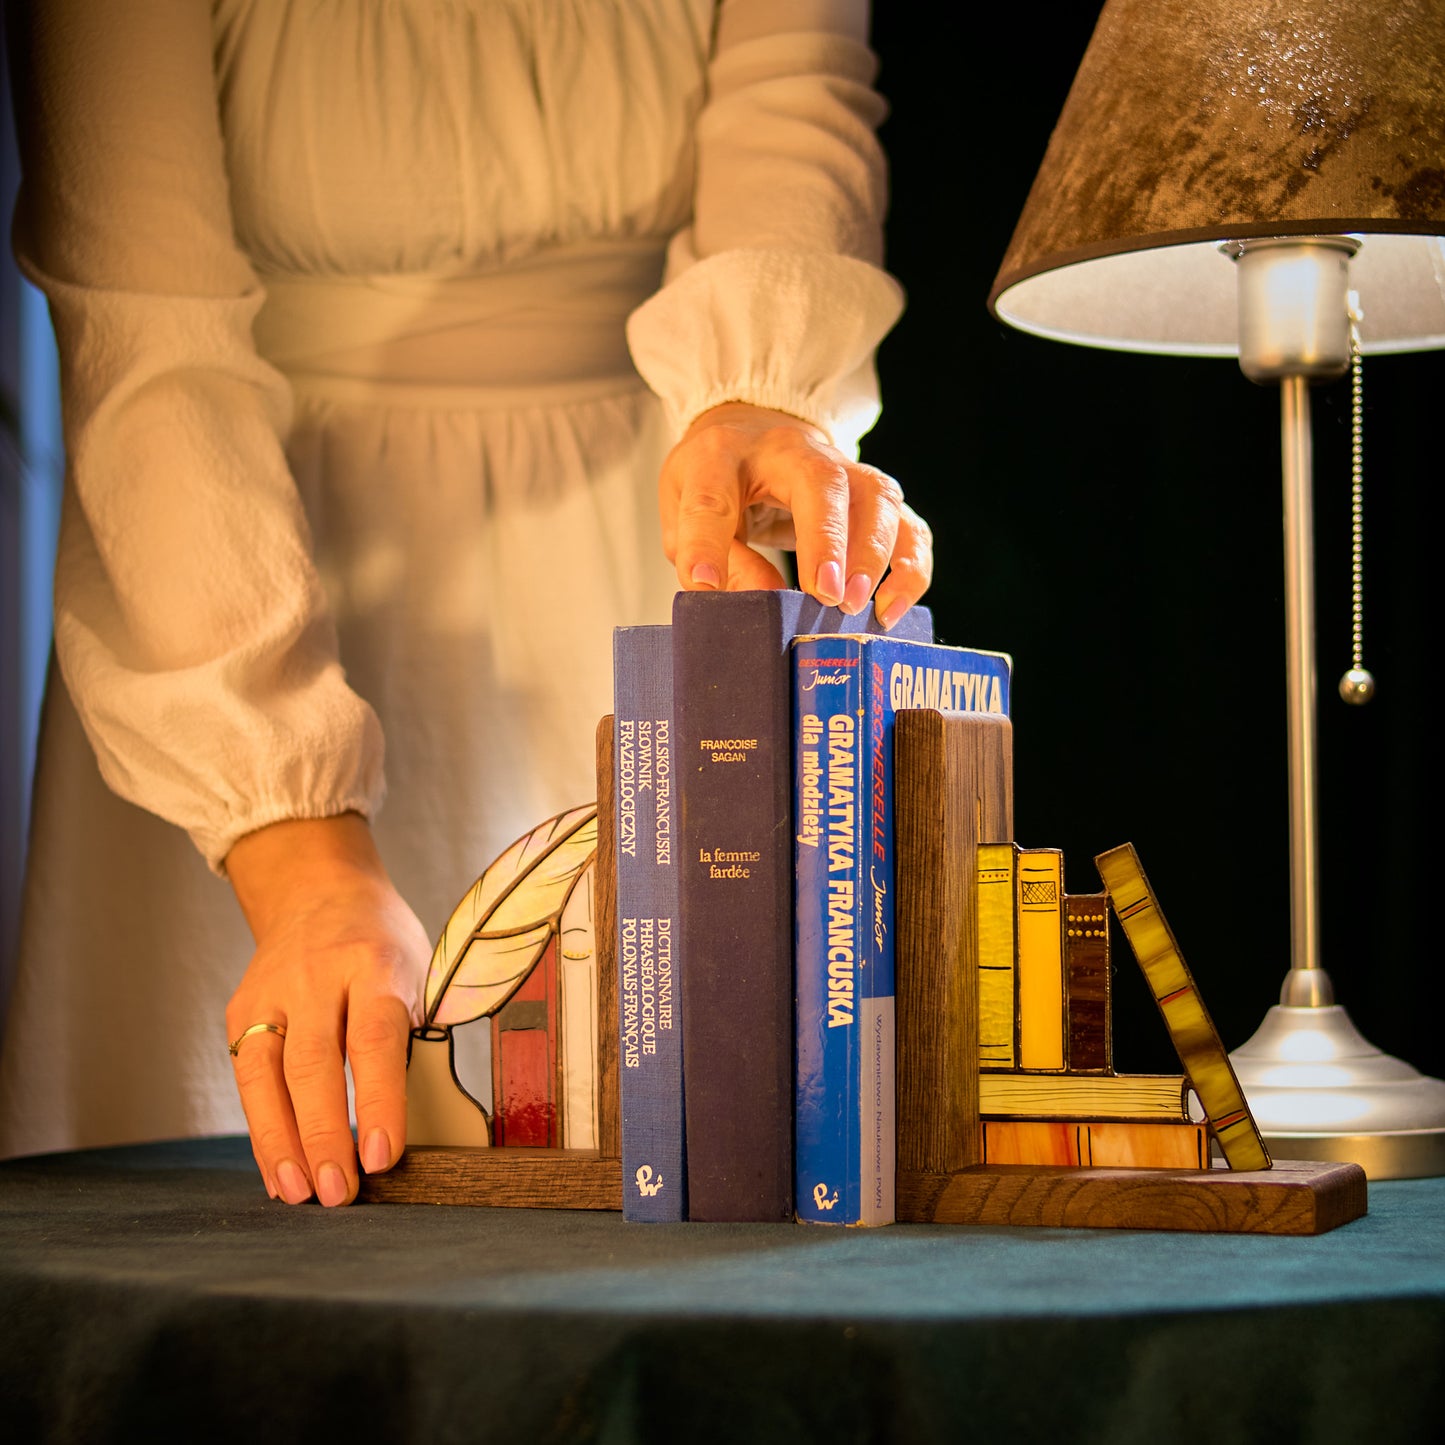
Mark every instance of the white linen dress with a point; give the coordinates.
(357, 447)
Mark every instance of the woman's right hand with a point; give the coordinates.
(857, 540)
(340, 963)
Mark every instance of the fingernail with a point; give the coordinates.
(860, 589)
(829, 583)
(331, 1187)
(270, 1184)
(706, 575)
(376, 1152)
(893, 613)
(292, 1182)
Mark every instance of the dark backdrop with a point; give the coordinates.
(1115, 523)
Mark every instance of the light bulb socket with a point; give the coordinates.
(1294, 317)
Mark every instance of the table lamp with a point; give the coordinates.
(1263, 179)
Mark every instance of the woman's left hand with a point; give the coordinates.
(855, 536)
(337, 975)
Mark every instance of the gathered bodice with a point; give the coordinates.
(446, 136)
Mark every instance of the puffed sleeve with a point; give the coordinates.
(775, 293)
(190, 625)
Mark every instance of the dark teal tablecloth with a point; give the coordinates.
(155, 1293)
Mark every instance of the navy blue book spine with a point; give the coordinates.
(649, 1003)
(732, 686)
(847, 692)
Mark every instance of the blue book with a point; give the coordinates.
(846, 691)
(732, 682)
(649, 995)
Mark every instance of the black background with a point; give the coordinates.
(1115, 522)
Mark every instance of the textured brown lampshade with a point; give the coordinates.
(1193, 124)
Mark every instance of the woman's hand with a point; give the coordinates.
(853, 532)
(340, 963)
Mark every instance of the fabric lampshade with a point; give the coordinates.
(1190, 125)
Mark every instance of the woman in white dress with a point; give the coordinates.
(379, 321)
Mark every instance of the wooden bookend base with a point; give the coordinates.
(541, 1178)
(953, 790)
(516, 1178)
(1293, 1197)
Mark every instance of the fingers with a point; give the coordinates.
(875, 510)
(814, 481)
(316, 1083)
(720, 469)
(293, 1087)
(751, 571)
(700, 505)
(340, 960)
(377, 1030)
(294, 1094)
(293, 1091)
(911, 568)
(857, 541)
(867, 543)
(275, 1142)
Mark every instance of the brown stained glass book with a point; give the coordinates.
(1157, 1144)
(1083, 1096)
(1086, 983)
(1190, 1027)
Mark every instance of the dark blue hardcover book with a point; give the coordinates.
(846, 691)
(733, 690)
(649, 1003)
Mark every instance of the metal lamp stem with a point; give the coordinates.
(1299, 590)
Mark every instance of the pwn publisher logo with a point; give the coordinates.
(645, 1186)
(820, 1196)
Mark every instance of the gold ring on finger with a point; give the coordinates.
(245, 1034)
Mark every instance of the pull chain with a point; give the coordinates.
(1358, 684)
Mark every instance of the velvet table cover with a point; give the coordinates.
(155, 1293)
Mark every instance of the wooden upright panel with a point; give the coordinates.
(953, 788)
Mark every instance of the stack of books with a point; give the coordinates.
(1048, 1093)
(754, 760)
(712, 821)
(761, 867)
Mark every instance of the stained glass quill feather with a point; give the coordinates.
(503, 925)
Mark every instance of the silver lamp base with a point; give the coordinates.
(1319, 1090)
